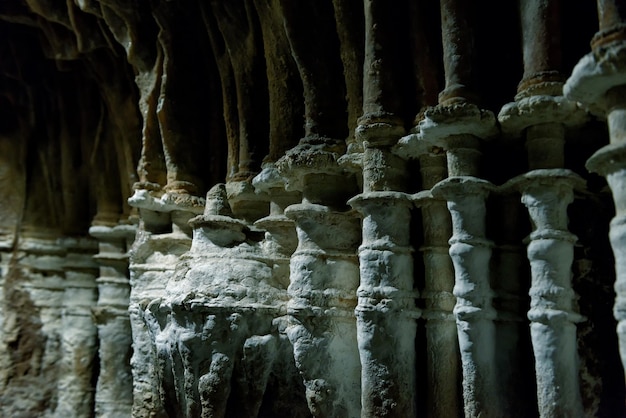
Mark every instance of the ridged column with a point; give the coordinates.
(79, 334)
(324, 277)
(459, 125)
(599, 81)
(114, 391)
(442, 344)
(162, 236)
(541, 114)
(221, 300)
(386, 308)
(546, 194)
(471, 254)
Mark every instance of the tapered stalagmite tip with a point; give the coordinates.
(217, 201)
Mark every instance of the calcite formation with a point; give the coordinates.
(312, 208)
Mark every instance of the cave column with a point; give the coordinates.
(386, 308)
(599, 82)
(36, 268)
(79, 335)
(443, 367)
(163, 235)
(442, 344)
(114, 390)
(541, 113)
(471, 253)
(220, 299)
(458, 125)
(552, 315)
(324, 276)
(280, 237)
(324, 272)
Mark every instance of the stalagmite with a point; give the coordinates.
(386, 308)
(114, 389)
(233, 303)
(78, 330)
(281, 208)
(441, 331)
(152, 260)
(280, 232)
(458, 125)
(542, 113)
(546, 194)
(323, 281)
(386, 301)
(598, 81)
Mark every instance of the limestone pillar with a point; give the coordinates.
(323, 281)
(79, 335)
(280, 231)
(221, 300)
(458, 125)
(386, 308)
(35, 280)
(598, 81)
(542, 114)
(162, 237)
(324, 273)
(114, 391)
(546, 194)
(470, 251)
(442, 344)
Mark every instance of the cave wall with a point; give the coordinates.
(312, 208)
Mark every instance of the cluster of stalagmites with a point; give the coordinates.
(350, 259)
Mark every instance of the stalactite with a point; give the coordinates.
(349, 21)
(284, 85)
(228, 90)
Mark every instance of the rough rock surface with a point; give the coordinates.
(329, 208)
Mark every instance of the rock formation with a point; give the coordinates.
(312, 208)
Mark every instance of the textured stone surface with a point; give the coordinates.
(310, 208)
